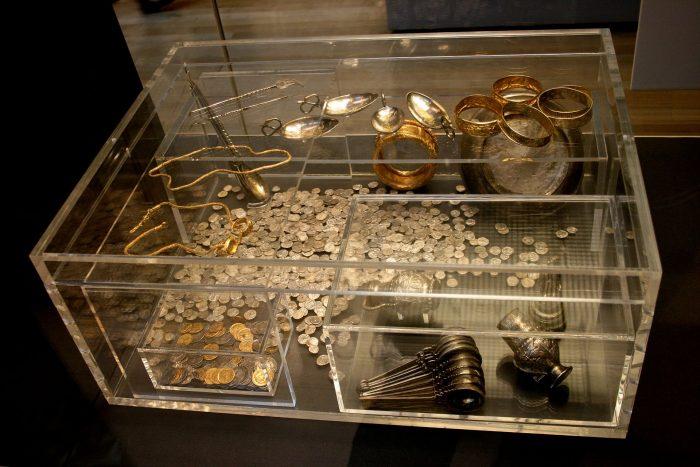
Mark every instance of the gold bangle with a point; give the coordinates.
(502, 85)
(406, 179)
(519, 108)
(567, 119)
(474, 127)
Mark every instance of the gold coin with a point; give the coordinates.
(225, 375)
(219, 333)
(215, 327)
(210, 347)
(209, 375)
(233, 330)
(260, 378)
(185, 339)
(186, 328)
(245, 335)
(246, 346)
(196, 327)
(235, 360)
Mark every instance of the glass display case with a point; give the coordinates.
(504, 277)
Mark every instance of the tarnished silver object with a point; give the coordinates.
(531, 396)
(300, 129)
(388, 119)
(448, 373)
(429, 113)
(341, 106)
(417, 285)
(253, 184)
(537, 356)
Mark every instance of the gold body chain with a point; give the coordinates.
(154, 172)
(239, 229)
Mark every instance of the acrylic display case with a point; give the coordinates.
(342, 278)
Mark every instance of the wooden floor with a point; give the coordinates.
(653, 113)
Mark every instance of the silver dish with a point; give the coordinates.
(515, 169)
(429, 113)
(299, 129)
(388, 119)
(341, 106)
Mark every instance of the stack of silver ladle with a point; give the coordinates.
(448, 373)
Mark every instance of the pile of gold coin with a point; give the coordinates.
(229, 373)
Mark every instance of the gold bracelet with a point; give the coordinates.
(474, 127)
(240, 227)
(502, 85)
(567, 119)
(406, 179)
(519, 108)
(154, 172)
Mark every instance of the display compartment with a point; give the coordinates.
(317, 255)
(214, 342)
(588, 397)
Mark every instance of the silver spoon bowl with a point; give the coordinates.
(388, 119)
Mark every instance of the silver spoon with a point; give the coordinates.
(388, 119)
(429, 113)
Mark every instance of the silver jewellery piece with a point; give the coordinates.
(253, 184)
(236, 110)
(388, 119)
(299, 129)
(429, 113)
(281, 84)
(341, 106)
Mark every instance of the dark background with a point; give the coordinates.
(57, 415)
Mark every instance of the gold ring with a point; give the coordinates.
(474, 127)
(502, 85)
(406, 179)
(567, 119)
(520, 108)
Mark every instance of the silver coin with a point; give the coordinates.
(512, 281)
(561, 234)
(528, 240)
(572, 230)
(527, 282)
(222, 194)
(250, 314)
(322, 360)
(303, 339)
